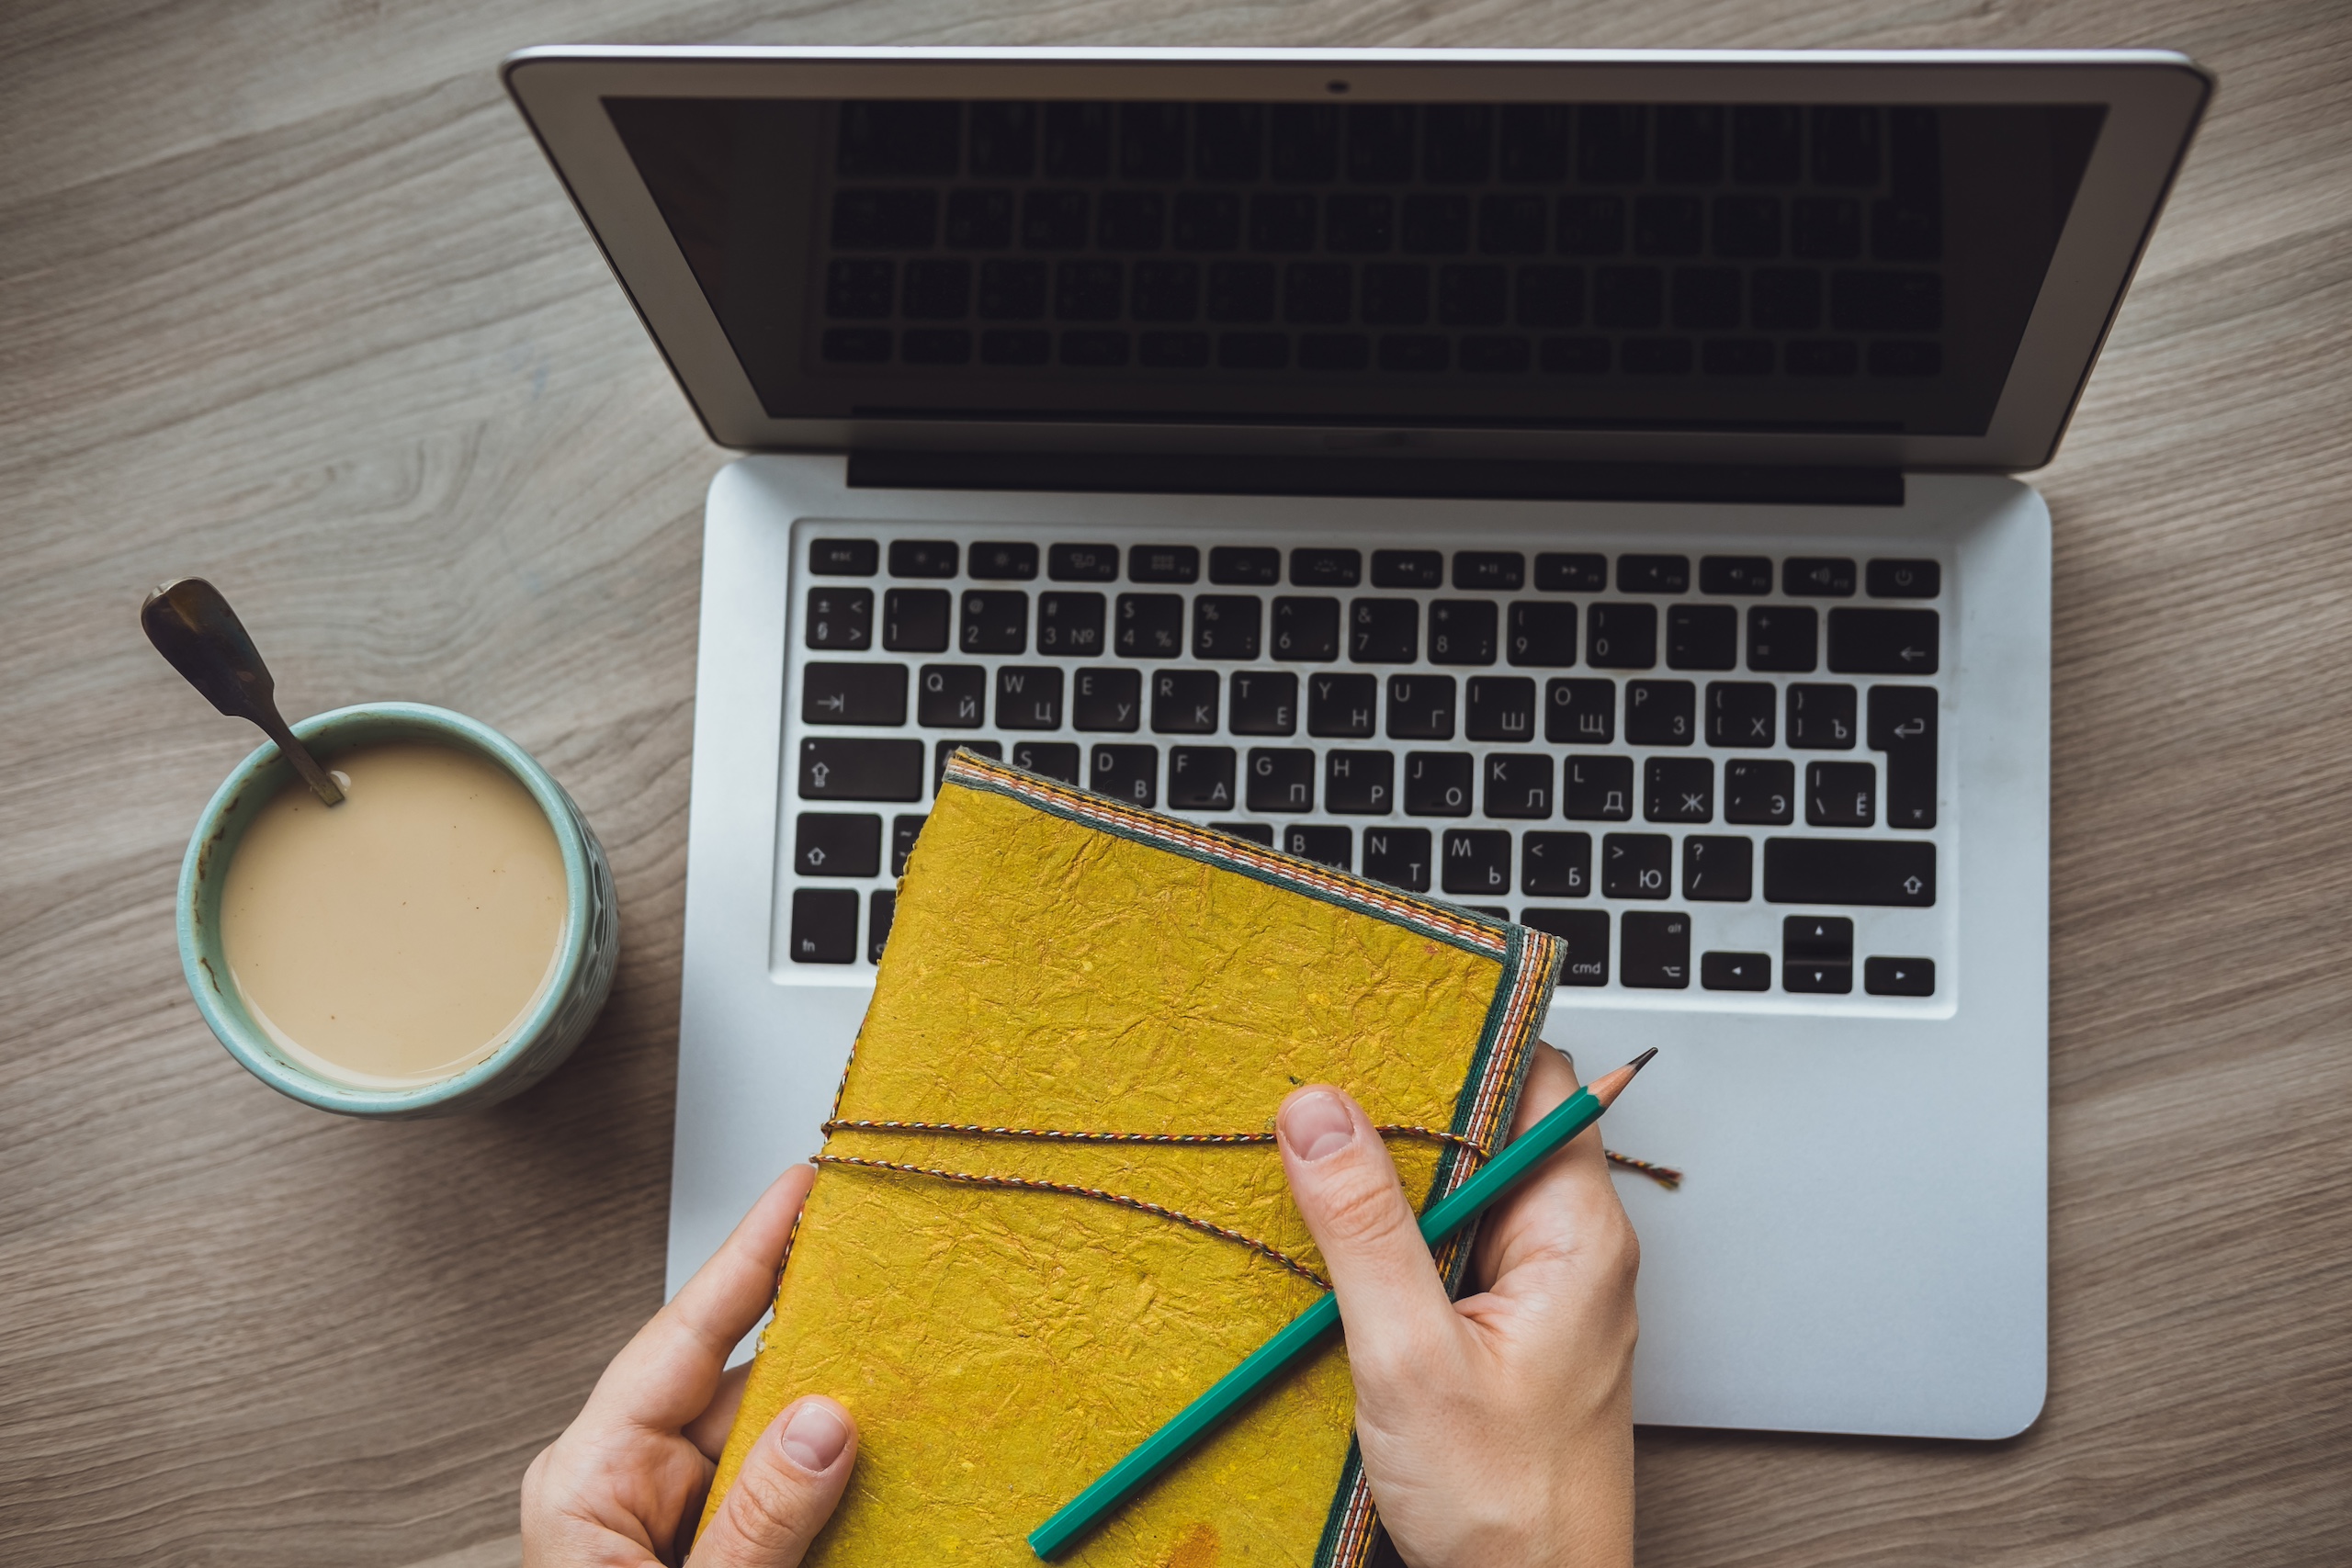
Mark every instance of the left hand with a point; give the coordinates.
(625, 1484)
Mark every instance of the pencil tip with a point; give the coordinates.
(1606, 1088)
(1638, 1063)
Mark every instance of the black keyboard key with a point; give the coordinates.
(1359, 784)
(1555, 866)
(904, 830)
(1407, 569)
(1903, 725)
(854, 694)
(1581, 713)
(1150, 625)
(1741, 713)
(1306, 630)
(1637, 865)
(1816, 939)
(1461, 631)
(826, 843)
(1478, 860)
(882, 905)
(1421, 708)
(1255, 832)
(1571, 573)
(1661, 713)
(1519, 786)
(914, 620)
(1736, 970)
(1653, 574)
(1053, 758)
(1883, 642)
(1840, 794)
(1163, 563)
(1679, 789)
(1281, 779)
(1497, 570)
(1263, 703)
(1325, 569)
(1082, 563)
(1384, 631)
(1200, 778)
(1621, 637)
(1781, 638)
(1003, 563)
(1028, 698)
(1502, 707)
(1584, 933)
(980, 220)
(1125, 773)
(1070, 625)
(1224, 625)
(1735, 574)
(943, 752)
(1398, 856)
(1899, 977)
(1107, 700)
(1718, 870)
(1341, 707)
(1820, 980)
(1701, 637)
(1329, 846)
(1890, 872)
(1817, 577)
(859, 558)
(1821, 718)
(1437, 784)
(824, 925)
(923, 558)
(1599, 789)
(1903, 580)
(950, 696)
(1657, 952)
(995, 620)
(1183, 702)
(841, 619)
(839, 769)
(1247, 564)
(1759, 794)
(1543, 634)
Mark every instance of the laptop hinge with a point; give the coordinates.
(1467, 478)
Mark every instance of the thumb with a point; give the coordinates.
(791, 1478)
(1391, 1303)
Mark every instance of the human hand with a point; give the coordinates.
(1498, 1429)
(625, 1482)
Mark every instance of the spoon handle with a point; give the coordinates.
(192, 626)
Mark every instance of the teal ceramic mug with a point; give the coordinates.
(560, 1015)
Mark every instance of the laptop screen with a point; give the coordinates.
(1769, 268)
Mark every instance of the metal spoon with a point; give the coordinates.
(191, 625)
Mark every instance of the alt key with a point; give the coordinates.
(1899, 977)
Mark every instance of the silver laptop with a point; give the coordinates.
(1573, 485)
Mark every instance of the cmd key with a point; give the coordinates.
(1883, 642)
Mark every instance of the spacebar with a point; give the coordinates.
(1849, 870)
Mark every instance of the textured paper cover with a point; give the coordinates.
(1061, 961)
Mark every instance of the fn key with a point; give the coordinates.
(824, 925)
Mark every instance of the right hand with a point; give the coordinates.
(1498, 1429)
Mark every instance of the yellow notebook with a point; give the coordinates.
(1050, 1211)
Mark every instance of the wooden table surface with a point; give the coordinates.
(288, 298)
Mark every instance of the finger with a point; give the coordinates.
(792, 1477)
(1568, 1194)
(1392, 1305)
(666, 1375)
(708, 1431)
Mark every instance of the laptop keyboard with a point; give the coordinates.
(1709, 771)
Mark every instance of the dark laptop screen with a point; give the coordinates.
(1718, 267)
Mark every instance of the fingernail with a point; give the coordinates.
(815, 1437)
(1317, 1125)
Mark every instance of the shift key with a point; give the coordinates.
(1883, 642)
(1892, 873)
(837, 769)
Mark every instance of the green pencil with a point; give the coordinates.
(1449, 1214)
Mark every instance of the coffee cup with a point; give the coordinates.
(466, 970)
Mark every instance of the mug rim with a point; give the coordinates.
(208, 858)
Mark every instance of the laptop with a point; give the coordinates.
(1574, 485)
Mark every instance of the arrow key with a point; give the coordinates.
(1899, 977)
(1736, 970)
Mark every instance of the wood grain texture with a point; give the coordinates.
(287, 296)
